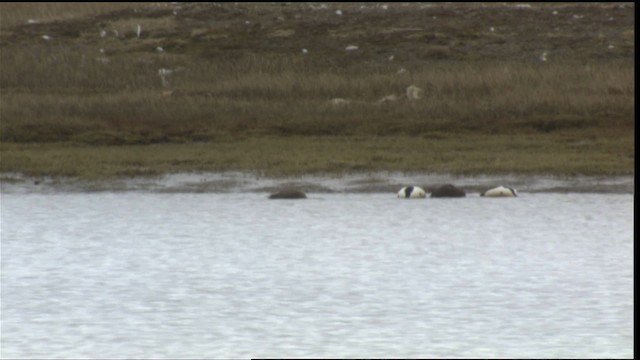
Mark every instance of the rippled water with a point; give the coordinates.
(228, 275)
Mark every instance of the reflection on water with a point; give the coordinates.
(337, 275)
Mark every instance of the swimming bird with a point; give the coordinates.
(412, 192)
(500, 191)
(447, 191)
(288, 194)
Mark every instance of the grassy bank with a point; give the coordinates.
(567, 153)
(97, 90)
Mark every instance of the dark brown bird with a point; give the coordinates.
(288, 194)
(447, 191)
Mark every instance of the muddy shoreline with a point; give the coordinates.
(375, 182)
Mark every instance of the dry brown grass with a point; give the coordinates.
(64, 99)
(18, 13)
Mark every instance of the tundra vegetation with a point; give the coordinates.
(99, 90)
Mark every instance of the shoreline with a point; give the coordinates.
(589, 152)
(228, 182)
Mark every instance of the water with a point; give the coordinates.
(234, 275)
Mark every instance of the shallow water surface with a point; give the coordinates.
(228, 275)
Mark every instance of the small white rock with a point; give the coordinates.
(33, 21)
(339, 12)
(388, 99)
(305, 51)
(414, 92)
(103, 33)
(159, 49)
(339, 102)
(543, 56)
(46, 37)
(351, 48)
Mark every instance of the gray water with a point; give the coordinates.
(234, 275)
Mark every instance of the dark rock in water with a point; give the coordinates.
(447, 191)
(288, 194)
